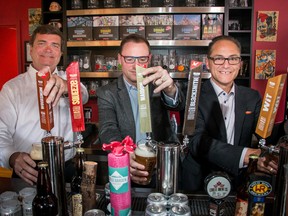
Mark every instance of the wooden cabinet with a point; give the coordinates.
(54, 13)
(237, 23)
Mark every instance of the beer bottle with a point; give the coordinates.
(45, 202)
(242, 190)
(77, 178)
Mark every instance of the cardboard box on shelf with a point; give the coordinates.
(131, 24)
(187, 27)
(159, 27)
(212, 26)
(106, 27)
(79, 28)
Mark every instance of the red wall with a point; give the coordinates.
(15, 13)
(281, 46)
(8, 53)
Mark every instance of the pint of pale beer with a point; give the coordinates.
(147, 156)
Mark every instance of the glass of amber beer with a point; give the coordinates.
(36, 153)
(146, 156)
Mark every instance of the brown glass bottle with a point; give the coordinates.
(45, 202)
(242, 190)
(77, 178)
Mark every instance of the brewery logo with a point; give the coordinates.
(218, 187)
(118, 180)
(260, 188)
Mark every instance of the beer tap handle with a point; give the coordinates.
(268, 149)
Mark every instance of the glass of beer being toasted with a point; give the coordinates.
(146, 156)
(36, 153)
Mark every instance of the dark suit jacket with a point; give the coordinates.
(116, 119)
(208, 146)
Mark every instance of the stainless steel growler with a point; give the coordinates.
(53, 153)
(167, 167)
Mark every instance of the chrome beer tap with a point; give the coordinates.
(281, 151)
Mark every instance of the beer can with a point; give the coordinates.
(178, 199)
(8, 195)
(183, 210)
(10, 208)
(157, 199)
(27, 205)
(27, 191)
(94, 212)
(155, 210)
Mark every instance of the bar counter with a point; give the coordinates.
(198, 201)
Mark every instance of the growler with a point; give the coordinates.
(77, 178)
(45, 202)
(242, 190)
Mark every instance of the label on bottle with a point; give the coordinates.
(241, 207)
(258, 190)
(118, 178)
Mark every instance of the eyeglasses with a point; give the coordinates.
(221, 60)
(131, 59)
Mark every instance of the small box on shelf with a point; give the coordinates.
(79, 28)
(159, 27)
(106, 27)
(131, 24)
(187, 26)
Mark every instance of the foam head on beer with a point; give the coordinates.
(36, 152)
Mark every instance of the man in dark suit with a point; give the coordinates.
(118, 102)
(227, 118)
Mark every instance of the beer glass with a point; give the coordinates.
(146, 156)
(36, 153)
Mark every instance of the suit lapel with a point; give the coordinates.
(212, 101)
(124, 101)
(240, 109)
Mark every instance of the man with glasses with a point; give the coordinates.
(118, 101)
(227, 118)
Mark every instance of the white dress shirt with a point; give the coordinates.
(19, 116)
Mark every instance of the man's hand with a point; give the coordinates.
(24, 167)
(55, 87)
(268, 164)
(161, 79)
(136, 171)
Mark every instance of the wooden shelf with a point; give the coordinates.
(152, 43)
(176, 75)
(151, 10)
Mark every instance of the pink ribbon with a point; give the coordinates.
(119, 148)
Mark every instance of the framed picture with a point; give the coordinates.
(34, 17)
(27, 52)
(265, 64)
(267, 26)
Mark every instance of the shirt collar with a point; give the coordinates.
(219, 90)
(128, 85)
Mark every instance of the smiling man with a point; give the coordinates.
(227, 117)
(19, 112)
(118, 101)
